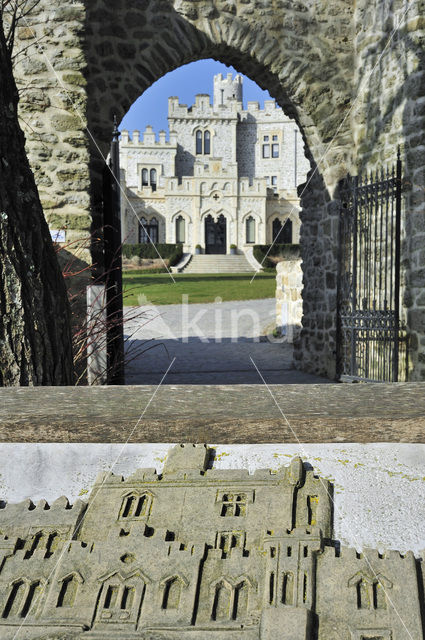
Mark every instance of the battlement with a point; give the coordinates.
(258, 186)
(301, 533)
(202, 108)
(190, 462)
(227, 89)
(182, 552)
(27, 513)
(148, 139)
(348, 554)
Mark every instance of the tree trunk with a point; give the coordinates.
(35, 335)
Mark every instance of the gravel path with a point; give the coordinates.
(212, 344)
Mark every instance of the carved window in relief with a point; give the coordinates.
(121, 597)
(135, 505)
(288, 588)
(370, 592)
(118, 601)
(378, 594)
(227, 540)
(233, 504)
(172, 592)
(35, 542)
(68, 590)
(230, 601)
(312, 504)
(23, 599)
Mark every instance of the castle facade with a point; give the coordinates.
(197, 553)
(226, 176)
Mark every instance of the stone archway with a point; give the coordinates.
(311, 59)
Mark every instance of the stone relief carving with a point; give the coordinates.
(199, 553)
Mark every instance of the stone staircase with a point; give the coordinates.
(203, 263)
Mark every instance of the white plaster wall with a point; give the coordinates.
(379, 489)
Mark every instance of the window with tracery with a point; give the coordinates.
(148, 231)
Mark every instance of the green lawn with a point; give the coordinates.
(160, 289)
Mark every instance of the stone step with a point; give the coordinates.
(208, 263)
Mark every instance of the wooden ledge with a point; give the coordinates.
(215, 414)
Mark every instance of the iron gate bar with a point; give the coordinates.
(369, 333)
(113, 265)
(397, 261)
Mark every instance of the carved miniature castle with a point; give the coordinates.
(198, 553)
(227, 175)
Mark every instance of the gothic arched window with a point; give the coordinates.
(68, 591)
(203, 143)
(207, 143)
(198, 142)
(250, 230)
(153, 179)
(145, 178)
(180, 230)
(172, 594)
(288, 588)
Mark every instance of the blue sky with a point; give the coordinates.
(185, 82)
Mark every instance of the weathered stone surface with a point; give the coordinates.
(199, 553)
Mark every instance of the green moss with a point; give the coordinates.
(75, 78)
(75, 222)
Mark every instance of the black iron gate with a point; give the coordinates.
(371, 340)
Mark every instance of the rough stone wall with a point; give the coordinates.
(390, 111)
(313, 57)
(289, 302)
(316, 348)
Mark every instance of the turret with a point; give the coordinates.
(226, 89)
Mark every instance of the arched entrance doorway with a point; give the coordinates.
(215, 234)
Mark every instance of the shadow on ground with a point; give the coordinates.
(213, 362)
